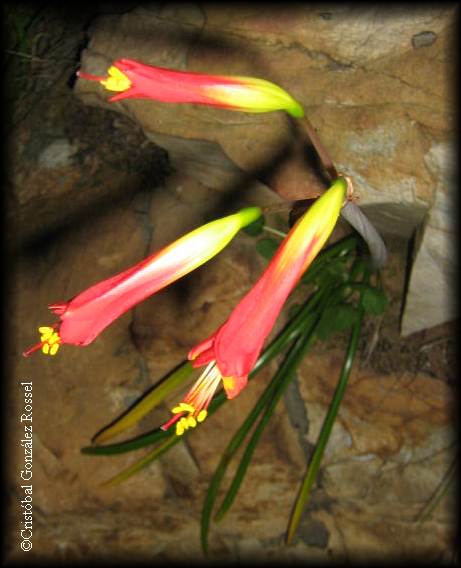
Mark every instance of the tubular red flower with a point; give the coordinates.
(84, 317)
(134, 79)
(231, 352)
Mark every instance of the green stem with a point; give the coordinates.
(274, 231)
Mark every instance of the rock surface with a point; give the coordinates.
(390, 447)
(375, 83)
(96, 203)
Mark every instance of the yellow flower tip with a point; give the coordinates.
(228, 383)
(116, 80)
(179, 429)
(249, 215)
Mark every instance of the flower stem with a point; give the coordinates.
(323, 154)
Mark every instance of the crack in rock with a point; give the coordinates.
(298, 417)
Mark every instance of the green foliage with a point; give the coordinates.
(338, 292)
(374, 301)
(267, 247)
(335, 319)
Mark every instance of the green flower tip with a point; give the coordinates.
(249, 215)
(296, 110)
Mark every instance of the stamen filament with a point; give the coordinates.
(193, 408)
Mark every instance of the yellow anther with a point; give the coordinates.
(45, 348)
(116, 81)
(179, 430)
(54, 349)
(45, 329)
(191, 422)
(184, 423)
(183, 407)
(202, 415)
(53, 339)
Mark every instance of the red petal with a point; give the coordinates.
(59, 309)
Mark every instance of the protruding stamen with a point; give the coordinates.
(193, 409)
(49, 342)
(116, 80)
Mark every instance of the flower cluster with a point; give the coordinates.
(230, 353)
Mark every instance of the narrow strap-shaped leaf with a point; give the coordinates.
(142, 463)
(128, 445)
(226, 457)
(284, 376)
(307, 320)
(324, 436)
(146, 404)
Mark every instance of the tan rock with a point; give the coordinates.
(375, 83)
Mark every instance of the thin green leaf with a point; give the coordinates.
(282, 379)
(324, 436)
(227, 455)
(303, 323)
(439, 493)
(142, 463)
(128, 445)
(146, 403)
